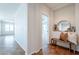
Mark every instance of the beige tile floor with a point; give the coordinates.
(8, 46)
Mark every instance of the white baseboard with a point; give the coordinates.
(34, 51)
(21, 47)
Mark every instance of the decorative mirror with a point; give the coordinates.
(63, 25)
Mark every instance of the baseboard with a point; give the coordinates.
(35, 52)
(21, 46)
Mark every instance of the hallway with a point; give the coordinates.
(8, 46)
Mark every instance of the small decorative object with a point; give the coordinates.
(73, 29)
(55, 27)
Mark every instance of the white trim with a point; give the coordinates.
(20, 46)
(34, 51)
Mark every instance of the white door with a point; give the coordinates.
(45, 35)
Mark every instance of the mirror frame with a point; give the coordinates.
(61, 22)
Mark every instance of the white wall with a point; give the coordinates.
(0, 27)
(21, 26)
(77, 21)
(34, 28)
(65, 13)
(77, 17)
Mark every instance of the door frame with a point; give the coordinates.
(48, 25)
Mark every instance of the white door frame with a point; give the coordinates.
(48, 25)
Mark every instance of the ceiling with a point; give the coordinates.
(8, 9)
(55, 6)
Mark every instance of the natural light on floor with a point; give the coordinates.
(9, 39)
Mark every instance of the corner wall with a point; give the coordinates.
(34, 28)
(0, 27)
(21, 25)
(77, 21)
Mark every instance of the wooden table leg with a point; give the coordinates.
(51, 41)
(74, 49)
(69, 47)
(70, 44)
(54, 41)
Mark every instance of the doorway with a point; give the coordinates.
(45, 32)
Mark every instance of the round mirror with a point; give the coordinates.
(63, 25)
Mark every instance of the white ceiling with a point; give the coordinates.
(55, 6)
(8, 9)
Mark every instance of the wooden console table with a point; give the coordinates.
(70, 44)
